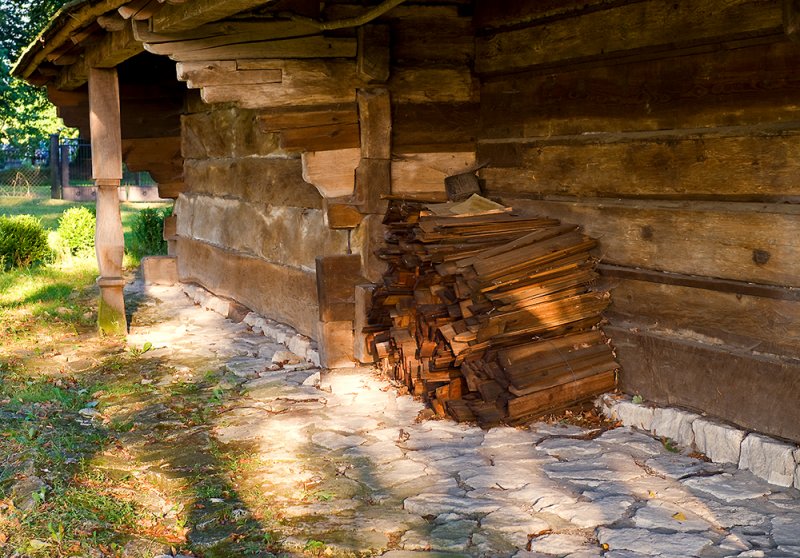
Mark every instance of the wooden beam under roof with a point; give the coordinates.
(111, 50)
(180, 17)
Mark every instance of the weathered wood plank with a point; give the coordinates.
(430, 84)
(304, 83)
(375, 118)
(231, 30)
(337, 277)
(435, 127)
(287, 294)
(321, 138)
(691, 167)
(374, 54)
(491, 14)
(332, 172)
(755, 392)
(425, 172)
(749, 322)
(113, 49)
(303, 47)
(183, 16)
(223, 72)
(724, 87)
(630, 27)
(281, 119)
(738, 241)
(424, 35)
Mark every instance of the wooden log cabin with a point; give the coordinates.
(669, 130)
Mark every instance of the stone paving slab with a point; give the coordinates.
(390, 485)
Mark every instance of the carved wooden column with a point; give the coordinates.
(104, 123)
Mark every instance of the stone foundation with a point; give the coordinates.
(767, 458)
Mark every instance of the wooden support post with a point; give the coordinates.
(104, 124)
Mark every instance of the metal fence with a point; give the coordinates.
(30, 173)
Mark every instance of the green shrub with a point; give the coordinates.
(76, 228)
(147, 232)
(23, 241)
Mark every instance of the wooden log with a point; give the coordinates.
(747, 85)
(747, 389)
(737, 168)
(728, 240)
(183, 16)
(648, 25)
(337, 277)
(736, 319)
(316, 82)
(290, 118)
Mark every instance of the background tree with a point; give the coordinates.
(26, 116)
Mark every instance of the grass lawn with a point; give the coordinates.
(49, 210)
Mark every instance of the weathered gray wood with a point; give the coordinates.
(288, 294)
(754, 168)
(304, 83)
(748, 322)
(304, 47)
(226, 31)
(755, 392)
(223, 72)
(738, 241)
(430, 84)
(435, 127)
(320, 138)
(722, 87)
(640, 25)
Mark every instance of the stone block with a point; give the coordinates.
(160, 270)
(675, 424)
(336, 344)
(769, 459)
(633, 414)
(720, 442)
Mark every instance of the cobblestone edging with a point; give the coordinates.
(774, 461)
(286, 335)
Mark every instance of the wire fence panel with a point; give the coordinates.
(30, 175)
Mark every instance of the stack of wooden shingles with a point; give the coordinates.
(490, 316)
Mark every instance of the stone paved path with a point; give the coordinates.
(345, 467)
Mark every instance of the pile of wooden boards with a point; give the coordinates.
(489, 315)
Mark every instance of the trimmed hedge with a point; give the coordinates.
(23, 241)
(148, 232)
(76, 227)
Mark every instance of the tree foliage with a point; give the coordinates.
(26, 116)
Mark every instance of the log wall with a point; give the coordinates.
(670, 131)
(249, 227)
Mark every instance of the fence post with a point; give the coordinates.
(64, 170)
(54, 179)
